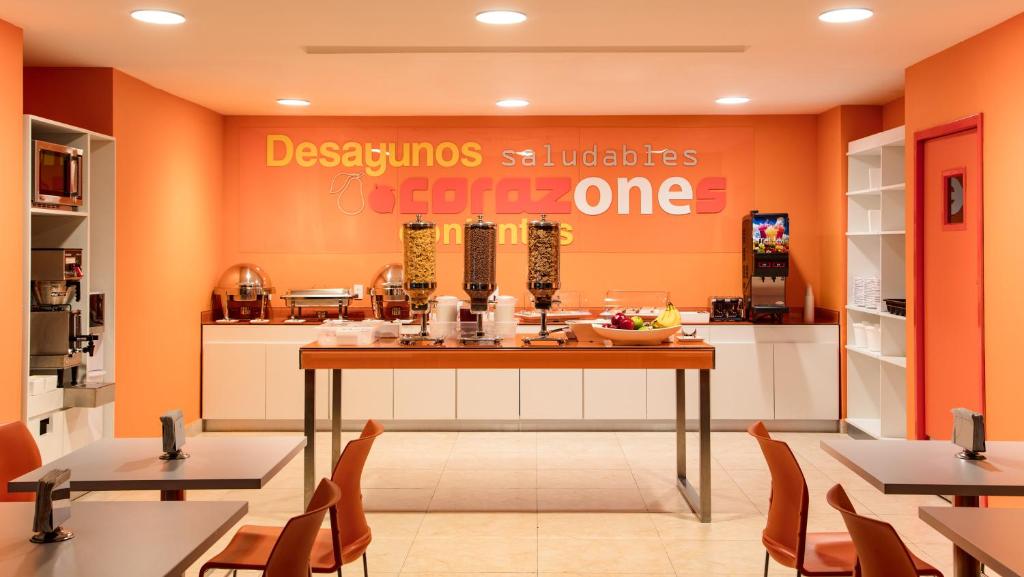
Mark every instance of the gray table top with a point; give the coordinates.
(900, 467)
(133, 464)
(112, 539)
(991, 536)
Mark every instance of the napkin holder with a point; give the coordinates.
(53, 507)
(969, 434)
(172, 427)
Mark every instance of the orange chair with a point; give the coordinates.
(785, 536)
(880, 551)
(289, 554)
(344, 542)
(18, 455)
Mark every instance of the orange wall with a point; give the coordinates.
(983, 74)
(12, 223)
(836, 128)
(168, 227)
(47, 89)
(894, 113)
(784, 180)
(168, 207)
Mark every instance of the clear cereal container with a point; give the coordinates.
(420, 248)
(480, 263)
(543, 237)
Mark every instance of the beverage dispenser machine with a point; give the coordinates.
(765, 265)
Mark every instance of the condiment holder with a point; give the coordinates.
(420, 252)
(480, 276)
(543, 270)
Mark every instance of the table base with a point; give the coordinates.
(172, 495)
(964, 564)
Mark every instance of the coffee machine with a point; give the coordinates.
(58, 337)
(765, 265)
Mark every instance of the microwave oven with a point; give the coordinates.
(57, 176)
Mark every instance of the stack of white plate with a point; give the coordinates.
(867, 292)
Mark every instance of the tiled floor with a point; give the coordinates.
(568, 504)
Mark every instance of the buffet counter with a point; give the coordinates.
(785, 374)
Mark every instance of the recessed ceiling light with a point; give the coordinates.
(500, 17)
(513, 102)
(293, 102)
(845, 15)
(164, 17)
(731, 100)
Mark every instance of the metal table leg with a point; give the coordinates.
(172, 494)
(965, 565)
(335, 416)
(309, 429)
(699, 501)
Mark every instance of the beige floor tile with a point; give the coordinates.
(494, 461)
(404, 478)
(720, 558)
(606, 575)
(585, 479)
(590, 500)
(484, 500)
(596, 526)
(570, 460)
(603, 555)
(454, 525)
(395, 525)
(488, 479)
(263, 501)
(686, 527)
(414, 500)
(475, 554)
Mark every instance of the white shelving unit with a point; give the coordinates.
(876, 247)
(71, 422)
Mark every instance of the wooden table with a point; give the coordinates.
(114, 539)
(514, 354)
(899, 467)
(134, 464)
(990, 536)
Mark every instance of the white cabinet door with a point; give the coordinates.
(551, 393)
(661, 394)
(741, 383)
(234, 381)
(424, 393)
(614, 393)
(806, 381)
(48, 431)
(367, 394)
(286, 384)
(487, 394)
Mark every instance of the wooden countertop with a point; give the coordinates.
(112, 539)
(512, 353)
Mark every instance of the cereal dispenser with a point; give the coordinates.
(480, 273)
(543, 237)
(420, 248)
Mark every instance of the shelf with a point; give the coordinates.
(895, 361)
(875, 312)
(877, 233)
(57, 212)
(877, 191)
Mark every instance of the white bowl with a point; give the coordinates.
(584, 330)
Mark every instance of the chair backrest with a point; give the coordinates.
(18, 455)
(786, 528)
(880, 551)
(348, 520)
(290, 555)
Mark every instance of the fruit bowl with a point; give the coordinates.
(634, 337)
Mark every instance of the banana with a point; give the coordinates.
(668, 318)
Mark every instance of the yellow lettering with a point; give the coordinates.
(565, 233)
(449, 230)
(505, 230)
(272, 141)
(471, 156)
(305, 154)
(351, 155)
(424, 147)
(376, 162)
(329, 155)
(452, 153)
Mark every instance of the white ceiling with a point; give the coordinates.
(237, 56)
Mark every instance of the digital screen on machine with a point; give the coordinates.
(771, 234)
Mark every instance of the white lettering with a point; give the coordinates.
(604, 200)
(626, 185)
(675, 188)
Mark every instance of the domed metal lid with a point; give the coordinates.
(245, 279)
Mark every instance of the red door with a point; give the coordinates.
(953, 355)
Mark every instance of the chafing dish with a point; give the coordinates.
(239, 286)
(318, 298)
